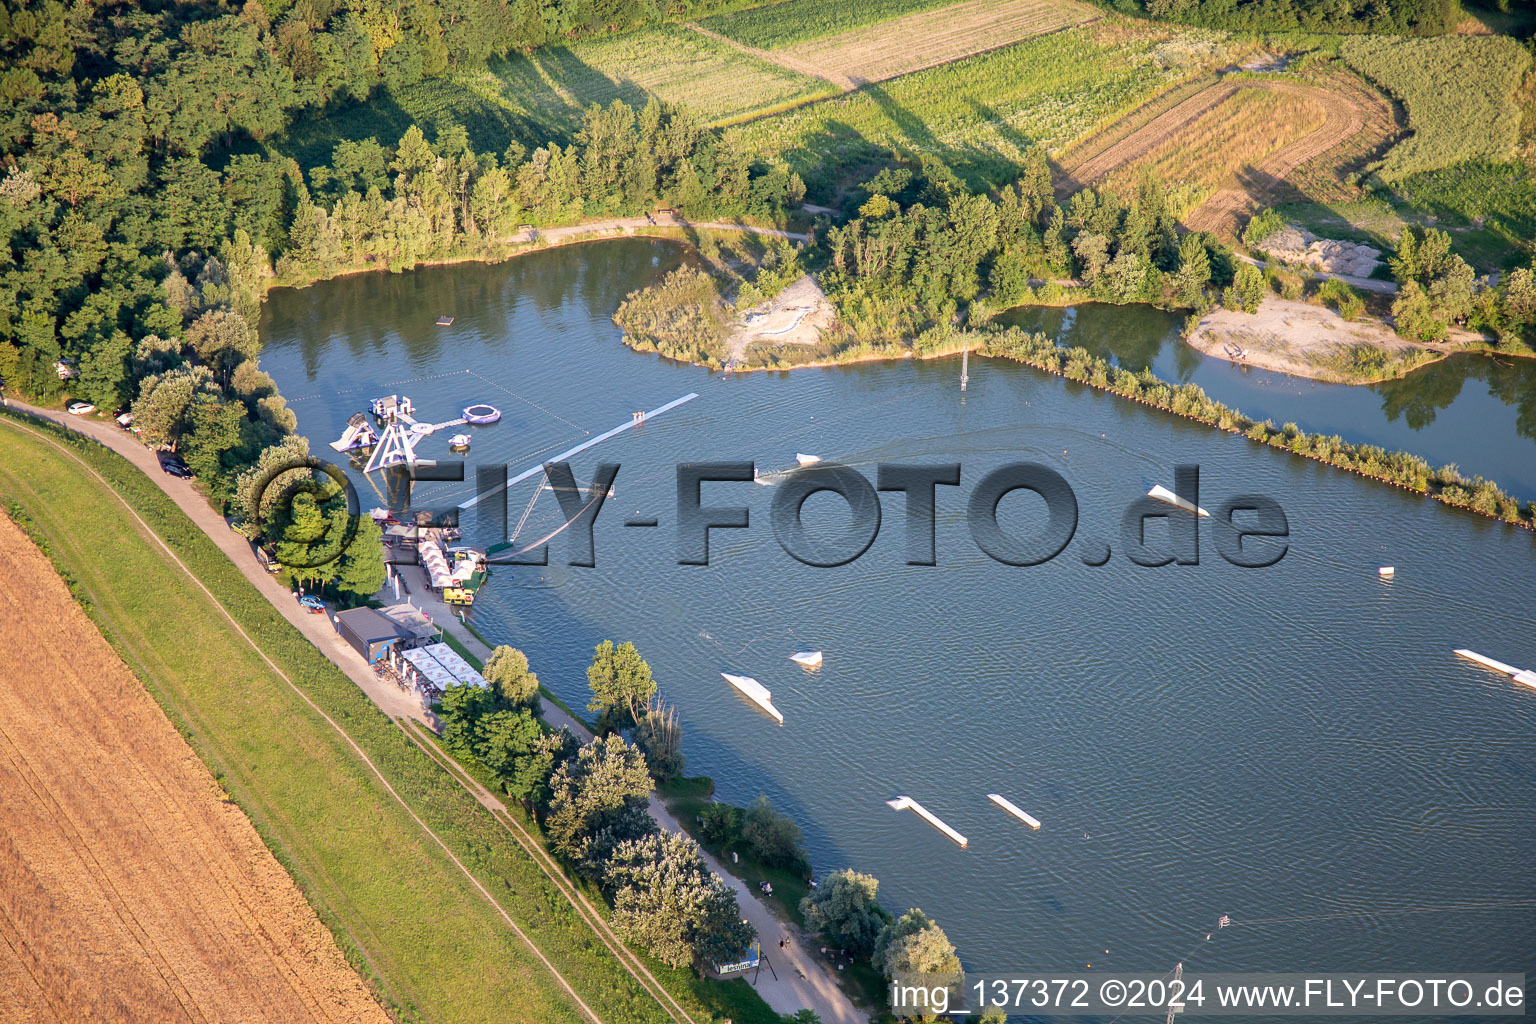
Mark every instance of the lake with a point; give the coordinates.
(1294, 746)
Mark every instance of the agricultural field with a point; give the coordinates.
(711, 77)
(979, 115)
(1242, 142)
(134, 889)
(783, 24)
(930, 38)
(1459, 91)
(423, 935)
(541, 97)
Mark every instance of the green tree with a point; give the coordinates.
(597, 800)
(667, 901)
(507, 670)
(720, 823)
(164, 406)
(845, 910)
(459, 712)
(621, 683)
(772, 837)
(1247, 289)
(913, 944)
(502, 737)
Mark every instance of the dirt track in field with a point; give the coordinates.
(1356, 120)
(929, 38)
(924, 39)
(131, 889)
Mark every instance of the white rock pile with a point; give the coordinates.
(1303, 249)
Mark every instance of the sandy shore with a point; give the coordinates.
(1304, 340)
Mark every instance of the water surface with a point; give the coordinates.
(1295, 746)
(1475, 411)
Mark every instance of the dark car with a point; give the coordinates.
(175, 467)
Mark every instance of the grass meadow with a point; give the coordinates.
(411, 923)
(1459, 92)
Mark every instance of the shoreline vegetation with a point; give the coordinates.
(1401, 469)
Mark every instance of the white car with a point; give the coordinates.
(77, 407)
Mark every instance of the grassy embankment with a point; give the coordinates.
(431, 945)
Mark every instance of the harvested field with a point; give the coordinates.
(133, 888)
(1240, 143)
(979, 115)
(929, 38)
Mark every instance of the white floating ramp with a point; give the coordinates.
(1162, 493)
(809, 659)
(906, 803)
(1011, 808)
(1527, 678)
(1487, 662)
(1386, 572)
(807, 460)
(756, 692)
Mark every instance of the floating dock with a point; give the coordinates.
(1487, 662)
(1011, 808)
(1162, 493)
(906, 803)
(756, 692)
(1523, 676)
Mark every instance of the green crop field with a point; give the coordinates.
(978, 115)
(672, 63)
(796, 21)
(541, 97)
(412, 923)
(1459, 92)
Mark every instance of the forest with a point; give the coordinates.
(144, 218)
(1400, 17)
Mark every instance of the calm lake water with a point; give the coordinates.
(1295, 747)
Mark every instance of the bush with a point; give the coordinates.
(1342, 298)
(720, 824)
(660, 737)
(1261, 226)
(773, 838)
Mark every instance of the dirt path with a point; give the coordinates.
(782, 59)
(171, 556)
(803, 981)
(1347, 112)
(132, 888)
(821, 994)
(643, 225)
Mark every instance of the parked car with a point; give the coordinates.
(79, 407)
(313, 603)
(173, 465)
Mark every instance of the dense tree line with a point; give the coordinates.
(144, 212)
(923, 249)
(1438, 288)
(1400, 17)
(592, 800)
(1446, 484)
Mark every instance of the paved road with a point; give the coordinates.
(801, 982)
